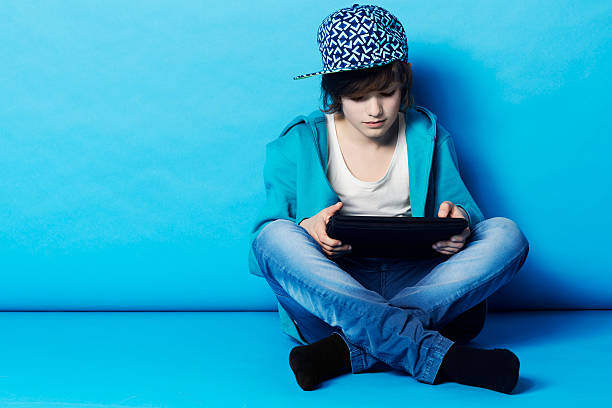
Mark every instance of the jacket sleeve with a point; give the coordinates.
(448, 184)
(280, 186)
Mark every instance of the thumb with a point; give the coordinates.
(335, 208)
(331, 210)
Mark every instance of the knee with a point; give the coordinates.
(272, 234)
(268, 243)
(507, 234)
(279, 238)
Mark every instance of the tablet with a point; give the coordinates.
(393, 237)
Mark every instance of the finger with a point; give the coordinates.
(331, 255)
(326, 247)
(450, 249)
(445, 209)
(322, 244)
(336, 248)
(332, 209)
(327, 250)
(460, 212)
(457, 238)
(444, 251)
(457, 213)
(330, 248)
(321, 230)
(448, 245)
(461, 237)
(442, 210)
(341, 249)
(340, 253)
(441, 244)
(326, 239)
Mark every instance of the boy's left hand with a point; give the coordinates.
(456, 242)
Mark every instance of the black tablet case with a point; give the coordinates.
(393, 237)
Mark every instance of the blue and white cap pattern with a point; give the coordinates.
(360, 37)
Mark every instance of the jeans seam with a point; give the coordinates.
(359, 354)
(437, 351)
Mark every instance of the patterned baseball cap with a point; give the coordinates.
(360, 37)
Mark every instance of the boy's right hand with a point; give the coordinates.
(316, 226)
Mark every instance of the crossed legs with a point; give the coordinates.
(403, 329)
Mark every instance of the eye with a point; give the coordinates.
(387, 94)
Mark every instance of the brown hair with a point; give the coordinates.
(359, 82)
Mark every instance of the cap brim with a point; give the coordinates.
(331, 71)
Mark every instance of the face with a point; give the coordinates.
(373, 115)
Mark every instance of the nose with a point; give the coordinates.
(374, 107)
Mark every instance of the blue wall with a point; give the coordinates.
(132, 141)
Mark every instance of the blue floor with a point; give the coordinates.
(231, 359)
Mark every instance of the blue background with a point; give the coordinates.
(132, 141)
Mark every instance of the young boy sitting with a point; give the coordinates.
(373, 152)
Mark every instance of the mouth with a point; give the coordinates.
(377, 123)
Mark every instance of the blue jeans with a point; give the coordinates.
(387, 310)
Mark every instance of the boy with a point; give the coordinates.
(373, 152)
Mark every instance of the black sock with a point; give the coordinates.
(467, 325)
(496, 369)
(319, 361)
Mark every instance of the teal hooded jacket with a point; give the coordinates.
(297, 187)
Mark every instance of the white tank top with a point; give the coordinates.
(389, 196)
